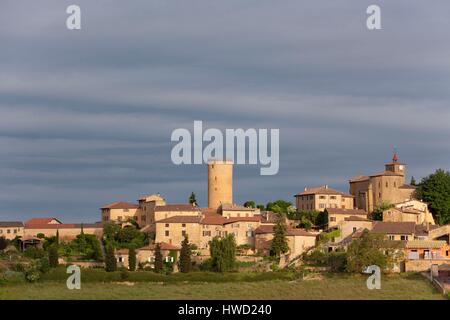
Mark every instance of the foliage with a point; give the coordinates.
(435, 190)
(325, 237)
(132, 259)
(250, 204)
(192, 199)
(185, 255)
(49, 241)
(280, 206)
(337, 261)
(3, 243)
(53, 256)
(40, 236)
(223, 253)
(413, 181)
(31, 271)
(261, 207)
(279, 241)
(86, 245)
(309, 218)
(110, 259)
(377, 213)
(34, 253)
(371, 249)
(126, 237)
(158, 259)
(124, 274)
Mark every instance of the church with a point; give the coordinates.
(385, 186)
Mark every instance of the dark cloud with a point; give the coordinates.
(86, 116)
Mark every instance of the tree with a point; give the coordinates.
(279, 241)
(413, 181)
(158, 259)
(371, 249)
(110, 259)
(193, 199)
(132, 259)
(377, 213)
(261, 207)
(223, 253)
(57, 237)
(250, 204)
(53, 256)
(280, 206)
(3, 243)
(435, 190)
(185, 255)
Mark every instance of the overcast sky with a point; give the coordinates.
(86, 116)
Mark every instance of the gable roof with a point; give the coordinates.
(352, 212)
(213, 219)
(267, 229)
(65, 226)
(356, 218)
(394, 227)
(359, 179)
(178, 207)
(40, 221)
(120, 205)
(235, 207)
(418, 244)
(7, 224)
(323, 190)
(181, 219)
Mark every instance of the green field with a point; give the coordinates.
(329, 287)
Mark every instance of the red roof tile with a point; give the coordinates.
(323, 190)
(353, 212)
(40, 221)
(177, 207)
(120, 205)
(394, 227)
(181, 219)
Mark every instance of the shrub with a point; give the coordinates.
(34, 253)
(124, 274)
(32, 273)
(337, 261)
(223, 253)
(44, 265)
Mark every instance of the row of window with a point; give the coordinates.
(387, 184)
(8, 231)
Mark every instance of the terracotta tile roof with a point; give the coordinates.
(40, 221)
(181, 219)
(422, 230)
(213, 219)
(263, 229)
(265, 245)
(353, 212)
(418, 244)
(65, 226)
(235, 207)
(208, 211)
(394, 227)
(120, 205)
(359, 179)
(385, 173)
(6, 224)
(241, 219)
(177, 207)
(299, 232)
(323, 190)
(356, 218)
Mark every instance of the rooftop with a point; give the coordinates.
(120, 205)
(353, 212)
(178, 207)
(7, 224)
(323, 190)
(394, 227)
(181, 219)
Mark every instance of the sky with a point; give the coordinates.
(86, 115)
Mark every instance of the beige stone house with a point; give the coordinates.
(11, 229)
(409, 211)
(146, 255)
(404, 231)
(299, 240)
(386, 186)
(67, 231)
(323, 197)
(337, 216)
(119, 211)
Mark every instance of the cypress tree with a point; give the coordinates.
(53, 256)
(132, 259)
(279, 241)
(185, 255)
(158, 259)
(110, 259)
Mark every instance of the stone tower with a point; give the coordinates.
(220, 183)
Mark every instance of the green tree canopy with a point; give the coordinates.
(435, 190)
(53, 256)
(132, 259)
(110, 259)
(158, 259)
(223, 253)
(279, 241)
(377, 213)
(250, 204)
(280, 206)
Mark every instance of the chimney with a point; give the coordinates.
(326, 186)
(306, 189)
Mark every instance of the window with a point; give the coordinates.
(167, 225)
(395, 184)
(126, 210)
(183, 233)
(322, 197)
(387, 184)
(404, 238)
(183, 225)
(235, 225)
(15, 230)
(143, 218)
(333, 197)
(238, 214)
(322, 205)
(250, 233)
(8, 231)
(354, 229)
(119, 218)
(391, 237)
(333, 219)
(167, 233)
(207, 233)
(379, 195)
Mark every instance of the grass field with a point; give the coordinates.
(330, 287)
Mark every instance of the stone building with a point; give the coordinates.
(386, 186)
(321, 198)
